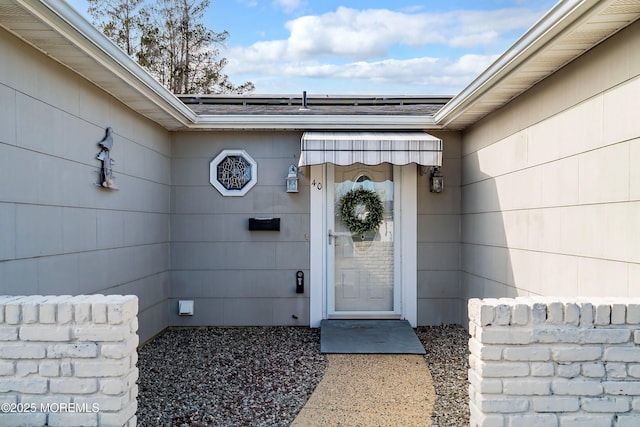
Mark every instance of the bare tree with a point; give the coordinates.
(168, 38)
(118, 20)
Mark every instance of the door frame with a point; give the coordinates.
(318, 234)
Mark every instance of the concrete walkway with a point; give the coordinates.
(371, 390)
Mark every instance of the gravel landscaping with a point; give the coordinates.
(448, 360)
(263, 376)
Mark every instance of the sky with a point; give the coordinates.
(365, 47)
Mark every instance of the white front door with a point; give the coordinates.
(362, 267)
(356, 276)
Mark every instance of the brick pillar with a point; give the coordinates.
(68, 361)
(552, 362)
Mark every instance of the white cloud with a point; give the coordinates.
(258, 54)
(427, 74)
(358, 34)
(351, 45)
(370, 34)
(470, 65)
(486, 38)
(288, 6)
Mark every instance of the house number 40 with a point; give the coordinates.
(317, 184)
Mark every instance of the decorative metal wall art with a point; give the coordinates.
(105, 174)
(233, 172)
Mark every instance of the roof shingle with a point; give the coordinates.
(205, 105)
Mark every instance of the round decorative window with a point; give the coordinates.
(233, 172)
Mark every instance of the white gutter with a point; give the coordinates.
(559, 18)
(295, 122)
(65, 20)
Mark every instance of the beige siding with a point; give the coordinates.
(439, 255)
(550, 183)
(60, 234)
(237, 276)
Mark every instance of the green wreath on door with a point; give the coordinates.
(361, 210)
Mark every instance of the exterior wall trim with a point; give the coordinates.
(409, 244)
(318, 243)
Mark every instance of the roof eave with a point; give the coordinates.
(131, 84)
(472, 103)
(161, 105)
(134, 86)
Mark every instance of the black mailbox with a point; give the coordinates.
(268, 224)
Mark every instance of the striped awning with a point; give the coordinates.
(370, 148)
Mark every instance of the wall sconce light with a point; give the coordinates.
(436, 182)
(292, 179)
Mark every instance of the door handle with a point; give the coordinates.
(331, 236)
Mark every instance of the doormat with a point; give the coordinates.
(369, 337)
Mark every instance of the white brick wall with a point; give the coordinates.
(554, 362)
(68, 361)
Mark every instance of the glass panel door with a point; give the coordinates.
(362, 261)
